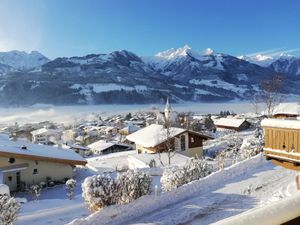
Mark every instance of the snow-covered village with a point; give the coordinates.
(161, 112)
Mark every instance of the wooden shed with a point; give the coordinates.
(282, 142)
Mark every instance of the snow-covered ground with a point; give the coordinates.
(245, 185)
(240, 187)
(53, 206)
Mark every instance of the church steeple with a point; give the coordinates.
(168, 110)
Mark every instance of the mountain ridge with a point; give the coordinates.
(182, 74)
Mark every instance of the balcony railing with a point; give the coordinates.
(282, 155)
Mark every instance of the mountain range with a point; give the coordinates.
(122, 77)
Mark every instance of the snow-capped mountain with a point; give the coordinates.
(286, 64)
(283, 63)
(182, 74)
(259, 59)
(19, 60)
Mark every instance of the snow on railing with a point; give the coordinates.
(274, 213)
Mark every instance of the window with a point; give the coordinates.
(11, 160)
(182, 143)
(192, 140)
(36, 162)
(10, 178)
(35, 171)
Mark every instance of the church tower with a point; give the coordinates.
(168, 111)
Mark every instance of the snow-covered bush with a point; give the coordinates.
(132, 185)
(196, 169)
(99, 191)
(174, 177)
(35, 191)
(70, 187)
(9, 208)
(221, 158)
(251, 147)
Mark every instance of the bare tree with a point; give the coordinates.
(169, 144)
(272, 93)
(256, 101)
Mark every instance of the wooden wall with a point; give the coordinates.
(198, 141)
(276, 138)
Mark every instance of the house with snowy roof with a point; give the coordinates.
(233, 124)
(104, 147)
(23, 164)
(286, 110)
(45, 136)
(155, 138)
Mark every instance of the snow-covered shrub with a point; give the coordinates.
(70, 187)
(221, 158)
(196, 169)
(251, 147)
(99, 191)
(132, 185)
(174, 177)
(9, 208)
(35, 191)
(43, 184)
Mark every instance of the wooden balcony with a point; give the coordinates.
(289, 160)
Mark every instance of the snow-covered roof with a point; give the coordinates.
(281, 123)
(177, 159)
(38, 152)
(229, 122)
(153, 135)
(75, 146)
(43, 131)
(102, 145)
(291, 108)
(130, 128)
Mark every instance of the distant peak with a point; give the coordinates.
(174, 53)
(208, 51)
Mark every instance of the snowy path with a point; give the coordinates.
(244, 190)
(218, 196)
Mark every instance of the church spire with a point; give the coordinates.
(168, 110)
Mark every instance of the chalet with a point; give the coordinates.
(233, 124)
(155, 138)
(286, 110)
(282, 142)
(23, 164)
(103, 147)
(45, 136)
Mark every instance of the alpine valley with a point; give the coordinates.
(122, 77)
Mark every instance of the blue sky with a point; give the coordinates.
(79, 27)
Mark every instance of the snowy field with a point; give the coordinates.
(67, 114)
